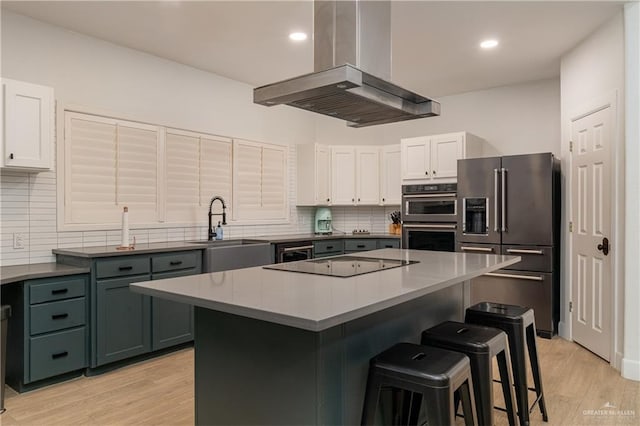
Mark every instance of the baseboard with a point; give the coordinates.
(617, 360)
(564, 331)
(631, 369)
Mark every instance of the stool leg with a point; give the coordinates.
(482, 373)
(519, 365)
(439, 409)
(371, 397)
(535, 370)
(466, 397)
(507, 389)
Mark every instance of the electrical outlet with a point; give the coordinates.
(18, 241)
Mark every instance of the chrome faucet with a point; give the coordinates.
(212, 234)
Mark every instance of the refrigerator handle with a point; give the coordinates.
(495, 200)
(504, 199)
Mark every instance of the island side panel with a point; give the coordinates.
(249, 371)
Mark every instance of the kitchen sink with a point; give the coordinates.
(224, 255)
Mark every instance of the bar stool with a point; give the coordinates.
(481, 345)
(519, 324)
(433, 373)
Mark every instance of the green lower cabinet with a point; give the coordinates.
(123, 326)
(172, 322)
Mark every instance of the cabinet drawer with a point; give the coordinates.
(57, 353)
(389, 243)
(61, 288)
(330, 246)
(57, 315)
(539, 259)
(360, 245)
(174, 261)
(127, 265)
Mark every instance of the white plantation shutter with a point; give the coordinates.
(198, 166)
(259, 181)
(215, 173)
(109, 164)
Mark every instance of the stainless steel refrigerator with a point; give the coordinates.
(511, 205)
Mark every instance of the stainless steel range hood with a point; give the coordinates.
(352, 62)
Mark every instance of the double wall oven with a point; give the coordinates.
(429, 216)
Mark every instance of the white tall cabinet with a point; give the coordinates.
(433, 159)
(28, 123)
(314, 175)
(343, 175)
(368, 175)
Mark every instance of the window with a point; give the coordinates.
(110, 164)
(259, 181)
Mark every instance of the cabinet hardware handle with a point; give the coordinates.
(11, 156)
(388, 246)
(353, 199)
(504, 199)
(175, 263)
(327, 200)
(59, 291)
(427, 173)
(358, 199)
(125, 268)
(523, 251)
(383, 200)
(59, 316)
(433, 172)
(329, 247)
(483, 249)
(59, 355)
(516, 277)
(495, 200)
(360, 246)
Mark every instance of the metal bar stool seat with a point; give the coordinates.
(434, 374)
(519, 324)
(481, 344)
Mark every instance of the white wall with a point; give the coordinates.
(515, 119)
(127, 83)
(591, 71)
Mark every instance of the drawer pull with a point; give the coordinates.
(329, 247)
(388, 246)
(482, 249)
(360, 246)
(523, 251)
(59, 316)
(59, 291)
(175, 262)
(125, 268)
(59, 355)
(515, 277)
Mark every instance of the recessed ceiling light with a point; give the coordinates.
(489, 44)
(298, 36)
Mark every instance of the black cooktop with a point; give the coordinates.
(341, 266)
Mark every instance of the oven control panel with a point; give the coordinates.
(429, 188)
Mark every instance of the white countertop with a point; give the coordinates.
(317, 302)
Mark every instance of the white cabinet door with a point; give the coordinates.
(390, 181)
(343, 175)
(323, 175)
(28, 125)
(416, 158)
(367, 175)
(445, 152)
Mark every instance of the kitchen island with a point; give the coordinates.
(277, 347)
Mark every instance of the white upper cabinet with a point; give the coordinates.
(343, 175)
(28, 126)
(390, 181)
(435, 158)
(314, 175)
(367, 175)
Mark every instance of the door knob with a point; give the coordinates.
(604, 247)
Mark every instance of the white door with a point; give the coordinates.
(390, 182)
(343, 175)
(591, 285)
(416, 158)
(323, 175)
(367, 175)
(445, 152)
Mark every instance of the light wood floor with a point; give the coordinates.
(160, 392)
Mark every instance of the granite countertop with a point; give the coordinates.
(317, 302)
(313, 237)
(11, 274)
(108, 251)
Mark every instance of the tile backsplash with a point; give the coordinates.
(28, 207)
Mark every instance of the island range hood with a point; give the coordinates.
(352, 69)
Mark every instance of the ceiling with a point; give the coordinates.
(434, 44)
